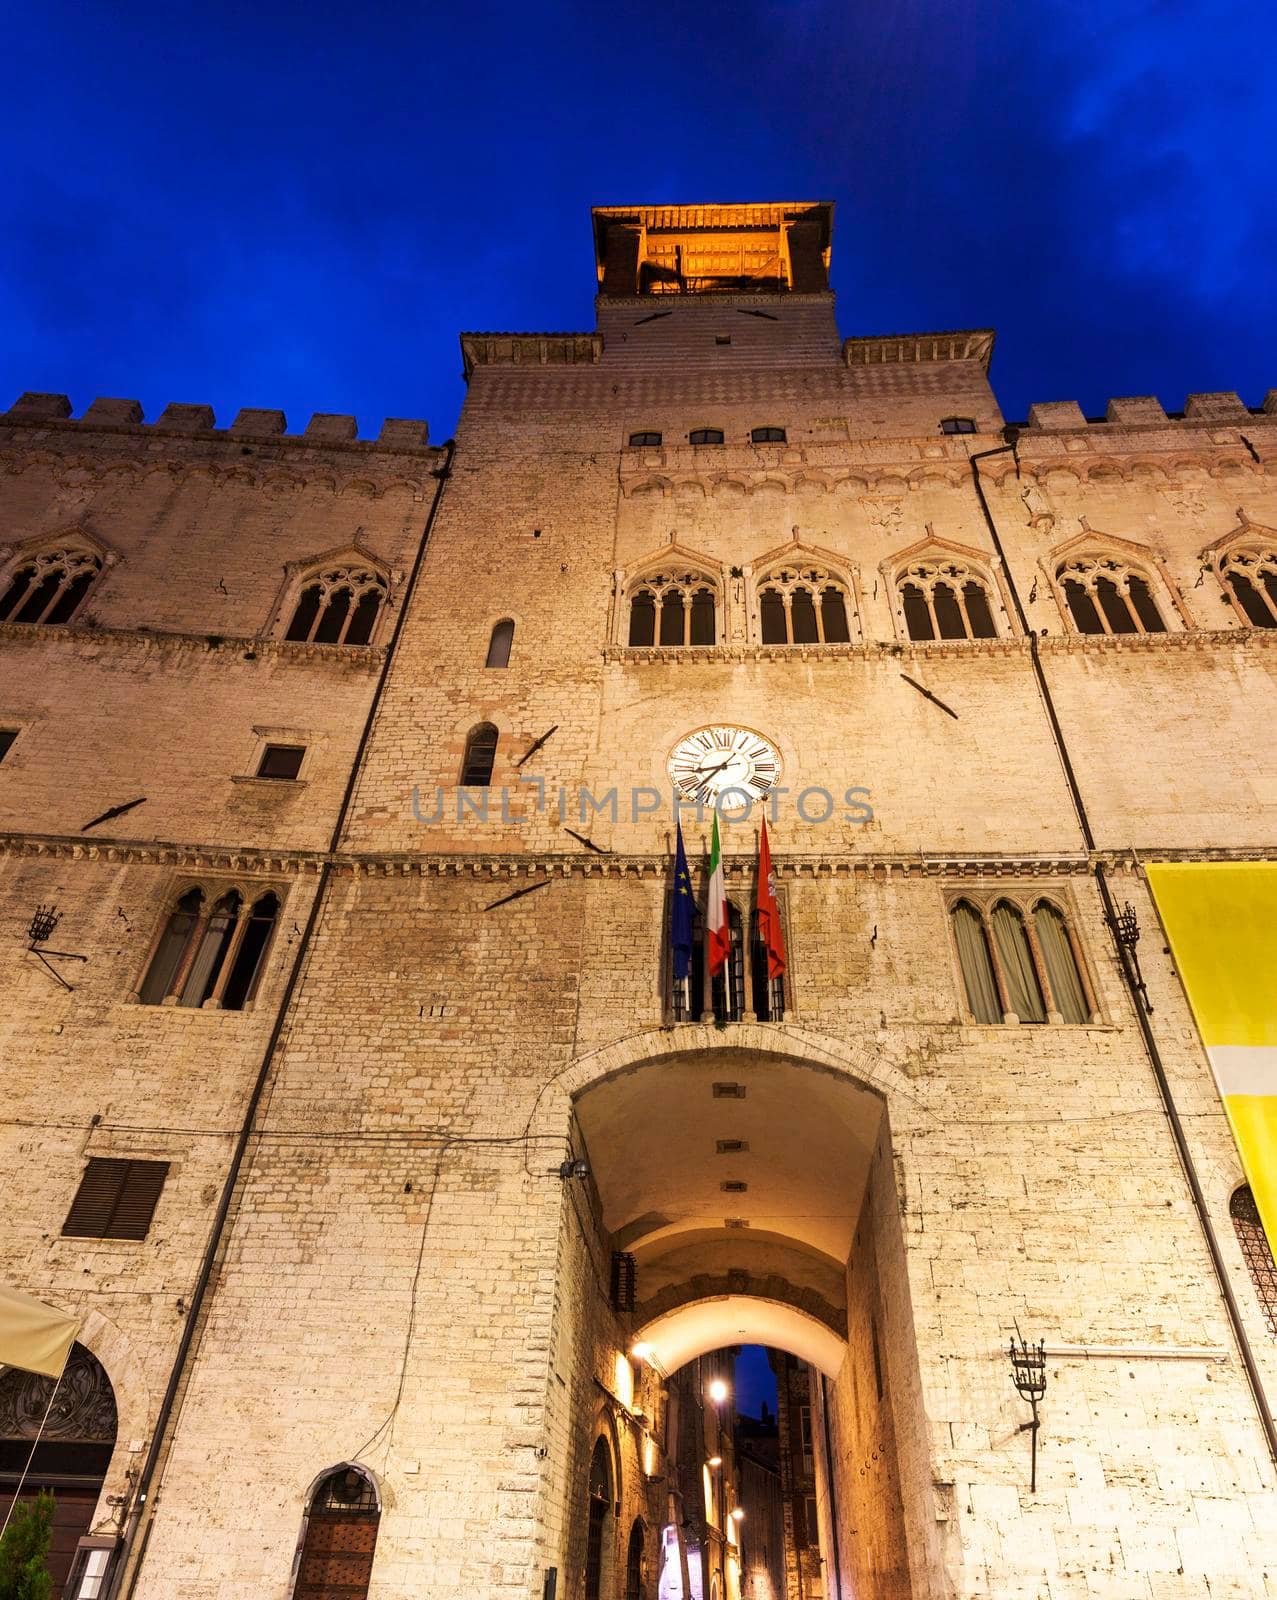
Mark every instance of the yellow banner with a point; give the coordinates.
(1221, 919)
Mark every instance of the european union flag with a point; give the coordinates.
(682, 909)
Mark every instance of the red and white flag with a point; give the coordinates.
(716, 923)
(769, 929)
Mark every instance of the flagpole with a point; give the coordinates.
(35, 1442)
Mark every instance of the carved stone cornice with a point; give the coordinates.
(894, 349)
(512, 870)
(529, 350)
(364, 658)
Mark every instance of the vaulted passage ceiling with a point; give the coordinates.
(669, 1143)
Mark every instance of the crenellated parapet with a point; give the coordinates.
(327, 429)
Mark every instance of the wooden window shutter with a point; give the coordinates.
(116, 1199)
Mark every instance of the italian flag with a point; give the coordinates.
(720, 932)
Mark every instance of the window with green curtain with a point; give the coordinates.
(976, 964)
(1061, 966)
(1018, 972)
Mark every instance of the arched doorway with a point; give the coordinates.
(74, 1451)
(755, 1193)
(634, 1561)
(597, 1537)
(340, 1538)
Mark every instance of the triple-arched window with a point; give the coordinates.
(803, 605)
(1107, 595)
(1256, 1252)
(338, 605)
(945, 599)
(211, 950)
(50, 586)
(1250, 576)
(340, 1540)
(674, 608)
(1020, 962)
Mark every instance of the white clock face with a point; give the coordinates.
(705, 763)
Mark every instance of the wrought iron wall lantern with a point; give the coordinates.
(1028, 1373)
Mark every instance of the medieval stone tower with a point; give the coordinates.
(350, 1097)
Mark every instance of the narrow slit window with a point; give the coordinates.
(480, 756)
(500, 643)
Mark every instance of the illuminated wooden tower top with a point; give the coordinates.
(715, 249)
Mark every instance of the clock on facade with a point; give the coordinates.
(705, 763)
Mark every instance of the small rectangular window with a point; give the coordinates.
(281, 761)
(767, 435)
(7, 736)
(804, 1426)
(116, 1199)
(813, 1523)
(645, 438)
(722, 338)
(958, 425)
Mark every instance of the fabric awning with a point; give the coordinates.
(34, 1336)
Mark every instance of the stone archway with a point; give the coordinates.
(751, 1181)
(74, 1447)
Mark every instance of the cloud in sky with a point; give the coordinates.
(303, 207)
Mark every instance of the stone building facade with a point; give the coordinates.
(405, 1057)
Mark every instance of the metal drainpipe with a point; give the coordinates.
(1012, 434)
(833, 1493)
(141, 1504)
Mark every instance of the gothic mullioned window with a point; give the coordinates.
(673, 608)
(50, 586)
(1108, 596)
(1250, 576)
(945, 599)
(335, 1561)
(339, 605)
(1256, 1252)
(1020, 962)
(211, 949)
(802, 605)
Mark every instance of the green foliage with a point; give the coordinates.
(24, 1551)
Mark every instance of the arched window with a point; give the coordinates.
(957, 425)
(1256, 1252)
(650, 438)
(634, 1562)
(1251, 579)
(50, 586)
(1105, 595)
(1059, 958)
(335, 1561)
(945, 600)
(803, 605)
(976, 962)
(705, 436)
(600, 1520)
(75, 1439)
(338, 606)
(499, 644)
(210, 953)
(481, 753)
(673, 609)
(1019, 972)
(767, 436)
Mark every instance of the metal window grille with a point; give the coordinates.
(624, 1280)
(1256, 1253)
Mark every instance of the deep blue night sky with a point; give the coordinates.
(302, 206)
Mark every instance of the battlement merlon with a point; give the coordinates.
(735, 249)
(326, 429)
(1224, 408)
